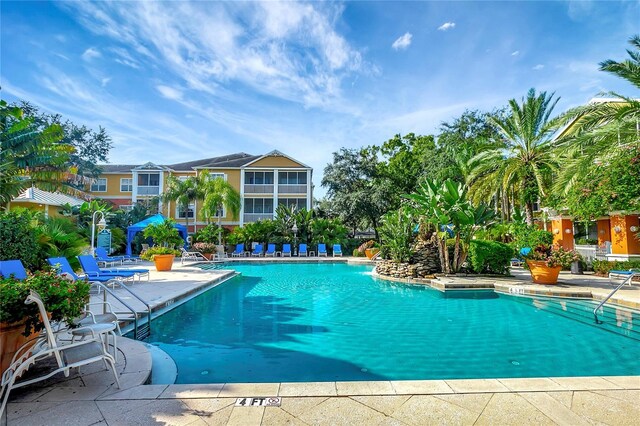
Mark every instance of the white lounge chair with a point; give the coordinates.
(44, 347)
(191, 255)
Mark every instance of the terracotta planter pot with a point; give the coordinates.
(208, 255)
(370, 252)
(542, 274)
(163, 262)
(11, 339)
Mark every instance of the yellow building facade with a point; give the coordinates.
(263, 181)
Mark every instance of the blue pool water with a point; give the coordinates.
(335, 322)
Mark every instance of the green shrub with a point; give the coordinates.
(602, 267)
(530, 236)
(490, 257)
(18, 238)
(209, 234)
(587, 241)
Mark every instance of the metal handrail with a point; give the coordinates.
(126, 305)
(595, 311)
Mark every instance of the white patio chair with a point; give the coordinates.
(191, 255)
(44, 347)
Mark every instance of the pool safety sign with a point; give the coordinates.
(270, 401)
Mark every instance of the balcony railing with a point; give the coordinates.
(259, 189)
(148, 190)
(254, 217)
(292, 189)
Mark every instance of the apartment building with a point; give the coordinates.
(263, 181)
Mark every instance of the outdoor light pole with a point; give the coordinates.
(295, 238)
(102, 223)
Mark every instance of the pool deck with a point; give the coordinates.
(90, 398)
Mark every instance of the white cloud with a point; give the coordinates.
(170, 92)
(538, 67)
(290, 51)
(105, 81)
(447, 26)
(515, 53)
(402, 42)
(91, 53)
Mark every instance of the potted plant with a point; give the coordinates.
(207, 249)
(165, 236)
(546, 262)
(63, 299)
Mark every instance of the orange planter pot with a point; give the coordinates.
(542, 274)
(11, 339)
(163, 262)
(370, 252)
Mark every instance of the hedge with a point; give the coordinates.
(602, 267)
(490, 257)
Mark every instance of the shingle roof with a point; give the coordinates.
(232, 160)
(35, 195)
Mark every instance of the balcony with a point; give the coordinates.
(149, 190)
(259, 189)
(254, 217)
(292, 189)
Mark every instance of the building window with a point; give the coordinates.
(99, 185)
(126, 185)
(292, 178)
(298, 203)
(183, 213)
(148, 179)
(258, 178)
(217, 176)
(258, 205)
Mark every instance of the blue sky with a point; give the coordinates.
(178, 81)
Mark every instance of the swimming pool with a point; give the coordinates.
(335, 322)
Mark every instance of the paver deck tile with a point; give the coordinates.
(308, 389)
(168, 411)
(246, 416)
(605, 409)
(298, 406)
(54, 414)
(584, 383)
(428, 410)
(511, 409)
(249, 389)
(211, 390)
(365, 388)
(217, 418)
(384, 404)
(277, 416)
(136, 392)
(477, 385)
(553, 409)
(474, 402)
(338, 411)
(531, 384)
(421, 387)
(627, 382)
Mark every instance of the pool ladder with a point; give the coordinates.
(626, 280)
(141, 330)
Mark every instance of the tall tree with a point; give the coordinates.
(356, 192)
(526, 164)
(184, 192)
(218, 195)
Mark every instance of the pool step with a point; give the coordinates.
(614, 319)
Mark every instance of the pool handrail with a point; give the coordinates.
(601, 304)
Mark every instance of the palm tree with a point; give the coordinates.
(218, 195)
(184, 192)
(28, 156)
(524, 167)
(597, 132)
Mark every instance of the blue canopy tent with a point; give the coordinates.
(139, 227)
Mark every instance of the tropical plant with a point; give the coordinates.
(185, 191)
(600, 131)
(210, 234)
(490, 257)
(163, 234)
(397, 234)
(18, 238)
(445, 208)
(63, 298)
(553, 256)
(525, 166)
(58, 237)
(205, 247)
(328, 231)
(219, 195)
(152, 252)
(29, 156)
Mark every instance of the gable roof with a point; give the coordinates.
(275, 153)
(238, 159)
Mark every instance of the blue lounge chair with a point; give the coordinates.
(91, 269)
(102, 256)
(63, 267)
(239, 251)
(13, 268)
(257, 251)
(519, 261)
(271, 250)
(322, 250)
(337, 250)
(286, 250)
(302, 250)
(623, 275)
